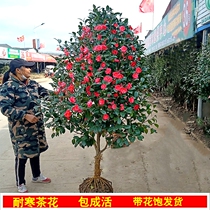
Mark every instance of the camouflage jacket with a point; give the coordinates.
(16, 100)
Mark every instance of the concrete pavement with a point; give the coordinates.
(169, 161)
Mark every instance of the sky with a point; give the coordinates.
(24, 17)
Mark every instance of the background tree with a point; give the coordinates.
(101, 89)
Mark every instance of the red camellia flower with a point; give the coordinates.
(67, 114)
(108, 71)
(105, 117)
(101, 102)
(136, 107)
(87, 89)
(123, 49)
(130, 57)
(116, 45)
(104, 47)
(122, 28)
(117, 75)
(86, 79)
(71, 88)
(100, 27)
(103, 86)
(69, 66)
(97, 48)
(114, 52)
(129, 86)
(66, 52)
(135, 75)
(99, 37)
(71, 75)
(113, 31)
(114, 106)
(96, 94)
(118, 87)
(133, 63)
(133, 48)
(89, 103)
(90, 68)
(76, 108)
(108, 79)
(115, 95)
(131, 100)
(98, 58)
(122, 107)
(72, 99)
(116, 60)
(138, 70)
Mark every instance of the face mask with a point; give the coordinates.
(23, 77)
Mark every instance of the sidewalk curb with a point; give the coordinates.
(177, 118)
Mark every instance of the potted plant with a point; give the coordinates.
(101, 89)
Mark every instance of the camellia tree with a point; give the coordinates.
(101, 89)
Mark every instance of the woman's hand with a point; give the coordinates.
(31, 118)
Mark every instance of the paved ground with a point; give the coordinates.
(169, 161)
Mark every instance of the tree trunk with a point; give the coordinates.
(97, 169)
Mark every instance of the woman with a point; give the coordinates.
(19, 97)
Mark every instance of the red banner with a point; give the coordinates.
(104, 201)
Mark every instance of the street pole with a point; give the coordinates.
(37, 47)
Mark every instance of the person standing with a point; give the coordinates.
(19, 99)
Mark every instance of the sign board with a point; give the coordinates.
(176, 26)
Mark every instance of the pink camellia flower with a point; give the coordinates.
(117, 75)
(86, 79)
(108, 71)
(130, 57)
(108, 79)
(123, 49)
(122, 107)
(103, 86)
(103, 65)
(66, 52)
(69, 66)
(105, 117)
(138, 70)
(67, 114)
(135, 75)
(122, 28)
(114, 106)
(72, 99)
(123, 90)
(115, 25)
(131, 100)
(96, 94)
(136, 107)
(101, 102)
(97, 48)
(57, 91)
(89, 103)
(98, 58)
(99, 37)
(118, 87)
(90, 68)
(76, 108)
(129, 86)
(90, 61)
(71, 75)
(71, 88)
(114, 52)
(97, 80)
(61, 84)
(116, 45)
